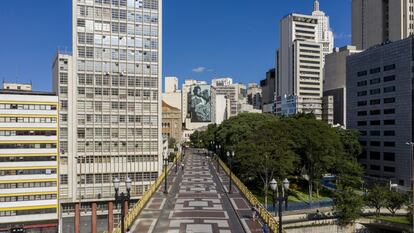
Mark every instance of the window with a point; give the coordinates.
(362, 93)
(362, 123)
(375, 70)
(389, 133)
(389, 169)
(389, 122)
(375, 122)
(362, 83)
(362, 73)
(389, 67)
(375, 112)
(375, 143)
(374, 81)
(375, 167)
(389, 144)
(389, 89)
(362, 113)
(389, 78)
(363, 133)
(375, 91)
(389, 111)
(389, 100)
(375, 102)
(374, 133)
(362, 103)
(374, 155)
(389, 156)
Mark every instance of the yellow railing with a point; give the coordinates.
(264, 214)
(136, 210)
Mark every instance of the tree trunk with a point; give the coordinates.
(317, 190)
(310, 191)
(265, 198)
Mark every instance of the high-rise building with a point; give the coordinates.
(334, 83)
(185, 90)
(378, 21)
(172, 95)
(29, 169)
(301, 62)
(379, 92)
(113, 104)
(254, 95)
(235, 92)
(268, 86)
(324, 34)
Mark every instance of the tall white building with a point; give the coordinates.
(301, 62)
(29, 165)
(113, 104)
(235, 92)
(324, 34)
(172, 95)
(377, 21)
(171, 84)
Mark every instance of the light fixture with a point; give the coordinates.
(273, 184)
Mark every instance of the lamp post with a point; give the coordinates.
(122, 198)
(280, 197)
(218, 158)
(166, 174)
(230, 157)
(411, 144)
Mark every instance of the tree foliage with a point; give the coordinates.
(347, 206)
(377, 197)
(395, 201)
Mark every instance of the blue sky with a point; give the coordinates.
(202, 38)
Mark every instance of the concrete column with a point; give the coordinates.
(110, 216)
(94, 218)
(77, 218)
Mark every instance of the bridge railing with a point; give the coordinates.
(136, 210)
(264, 214)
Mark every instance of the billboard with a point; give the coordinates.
(199, 104)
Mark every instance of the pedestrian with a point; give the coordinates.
(128, 231)
(253, 214)
(266, 228)
(182, 166)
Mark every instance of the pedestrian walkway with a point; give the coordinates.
(197, 202)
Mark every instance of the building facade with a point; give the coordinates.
(301, 60)
(172, 95)
(378, 21)
(185, 90)
(324, 34)
(254, 95)
(268, 87)
(334, 83)
(380, 94)
(171, 122)
(113, 104)
(29, 163)
(171, 84)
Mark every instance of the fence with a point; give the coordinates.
(264, 214)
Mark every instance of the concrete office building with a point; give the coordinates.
(113, 106)
(268, 87)
(171, 84)
(301, 62)
(236, 93)
(378, 21)
(380, 94)
(254, 95)
(28, 159)
(334, 83)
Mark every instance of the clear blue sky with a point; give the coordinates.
(235, 38)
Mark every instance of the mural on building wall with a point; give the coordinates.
(200, 103)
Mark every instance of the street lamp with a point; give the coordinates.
(166, 174)
(218, 158)
(280, 197)
(230, 156)
(411, 144)
(122, 198)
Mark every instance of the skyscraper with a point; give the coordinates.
(324, 35)
(377, 21)
(113, 102)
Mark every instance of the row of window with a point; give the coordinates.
(132, 29)
(376, 91)
(376, 112)
(118, 68)
(90, 92)
(149, 4)
(376, 122)
(378, 168)
(28, 106)
(145, 133)
(28, 133)
(117, 14)
(117, 159)
(28, 198)
(27, 185)
(118, 54)
(28, 146)
(28, 119)
(130, 41)
(375, 155)
(376, 81)
(108, 178)
(27, 159)
(387, 133)
(378, 143)
(376, 70)
(28, 172)
(27, 212)
(131, 146)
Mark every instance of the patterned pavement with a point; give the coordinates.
(197, 202)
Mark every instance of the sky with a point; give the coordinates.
(202, 39)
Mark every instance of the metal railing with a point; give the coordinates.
(139, 206)
(264, 214)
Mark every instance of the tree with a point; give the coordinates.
(171, 143)
(266, 154)
(377, 197)
(347, 206)
(395, 201)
